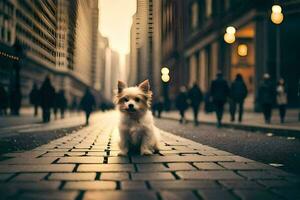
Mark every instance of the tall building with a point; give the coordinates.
(145, 39)
(260, 46)
(103, 46)
(49, 37)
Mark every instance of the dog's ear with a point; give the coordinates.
(121, 86)
(145, 86)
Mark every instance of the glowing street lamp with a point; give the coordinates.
(229, 36)
(276, 15)
(277, 18)
(165, 74)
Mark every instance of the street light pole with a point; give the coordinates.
(278, 60)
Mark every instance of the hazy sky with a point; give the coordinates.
(115, 22)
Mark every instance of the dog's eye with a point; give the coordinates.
(126, 99)
(137, 99)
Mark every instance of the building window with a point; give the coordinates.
(194, 15)
(208, 8)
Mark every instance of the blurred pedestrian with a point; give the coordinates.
(34, 98)
(74, 106)
(61, 103)
(238, 93)
(266, 97)
(55, 104)
(196, 97)
(158, 107)
(281, 98)
(87, 103)
(219, 91)
(3, 100)
(47, 93)
(182, 103)
(208, 103)
(15, 99)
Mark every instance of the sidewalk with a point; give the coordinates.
(251, 121)
(85, 165)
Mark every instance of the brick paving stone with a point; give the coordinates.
(255, 194)
(53, 154)
(98, 153)
(257, 175)
(178, 195)
(208, 166)
(46, 195)
(208, 194)
(183, 184)
(118, 160)
(5, 176)
(221, 153)
(279, 184)
(29, 161)
(73, 176)
(244, 166)
(114, 176)
(83, 159)
(37, 168)
(151, 167)
(214, 175)
(240, 184)
(120, 195)
(105, 168)
(152, 176)
(30, 177)
(176, 158)
(90, 185)
(180, 166)
(288, 193)
(41, 185)
(133, 185)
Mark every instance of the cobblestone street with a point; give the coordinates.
(85, 165)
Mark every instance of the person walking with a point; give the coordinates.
(266, 97)
(238, 93)
(158, 107)
(182, 103)
(196, 97)
(87, 103)
(61, 103)
(3, 100)
(34, 98)
(219, 91)
(281, 99)
(47, 93)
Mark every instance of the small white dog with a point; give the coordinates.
(136, 127)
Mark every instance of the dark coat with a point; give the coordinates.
(182, 101)
(195, 95)
(87, 102)
(61, 101)
(34, 96)
(3, 98)
(238, 90)
(47, 94)
(219, 90)
(266, 93)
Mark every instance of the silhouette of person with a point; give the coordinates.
(158, 107)
(74, 105)
(15, 98)
(47, 93)
(219, 91)
(238, 93)
(182, 103)
(61, 103)
(34, 98)
(281, 98)
(55, 104)
(266, 97)
(196, 97)
(87, 103)
(3, 100)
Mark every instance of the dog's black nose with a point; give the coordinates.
(130, 106)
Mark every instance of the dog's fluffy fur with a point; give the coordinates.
(136, 127)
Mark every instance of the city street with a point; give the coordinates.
(84, 165)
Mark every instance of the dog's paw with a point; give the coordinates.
(146, 152)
